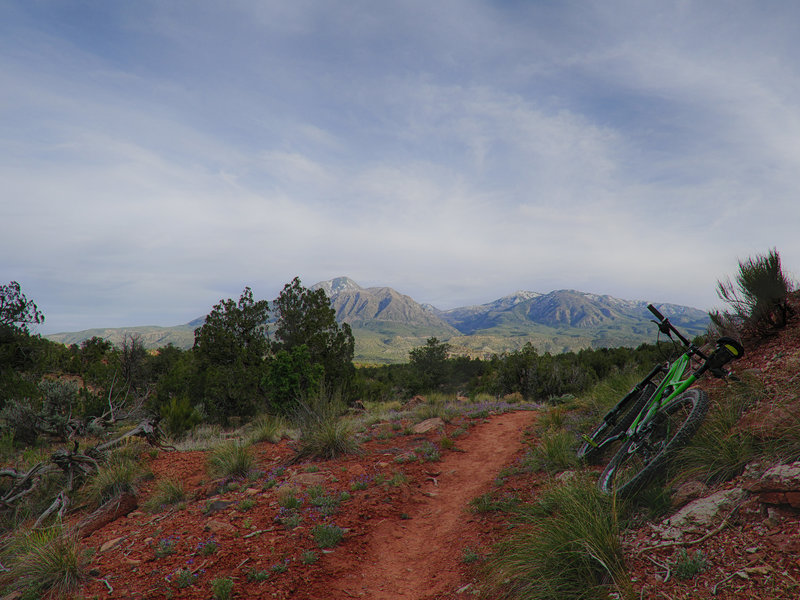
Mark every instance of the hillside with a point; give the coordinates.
(387, 324)
(418, 528)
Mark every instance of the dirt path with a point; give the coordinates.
(419, 557)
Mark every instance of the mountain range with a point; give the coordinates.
(387, 324)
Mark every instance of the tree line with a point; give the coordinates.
(249, 357)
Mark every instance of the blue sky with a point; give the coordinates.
(157, 156)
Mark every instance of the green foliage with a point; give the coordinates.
(16, 311)
(306, 318)
(257, 575)
(43, 563)
(554, 453)
(118, 475)
(230, 348)
(758, 298)
(230, 460)
(266, 428)
(309, 557)
(327, 536)
(567, 547)
(222, 588)
(323, 433)
(721, 449)
(168, 492)
(178, 416)
(427, 366)
(686, 566)
(292, 375)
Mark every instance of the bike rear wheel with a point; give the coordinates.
(645, 454)
(593, 451)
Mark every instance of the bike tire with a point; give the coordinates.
(593, 452)
(640, 460)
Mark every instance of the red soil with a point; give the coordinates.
(402, 541)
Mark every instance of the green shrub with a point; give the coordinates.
(221, 588)
(554, 453)
(178, 416)
(758, 299)
(117, 476)
(567, 547)
(266, 428)
(327, 536)
(168, 492)
(720, 449)
(686, 567)
(43, 562)
(230, 460)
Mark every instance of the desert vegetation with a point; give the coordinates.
(79, 422)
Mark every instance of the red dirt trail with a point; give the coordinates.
(419, 557)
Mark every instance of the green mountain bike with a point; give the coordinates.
(657, 416)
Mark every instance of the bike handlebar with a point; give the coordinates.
(654, 310)
(668, 328)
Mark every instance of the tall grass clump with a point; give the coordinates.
(721, 448)
(757, 298)
(168, 492)
(118, 475)
(230, 460)
(567, 548)
(324, 432)
(554, 453)
(43, 563)
(266, 428)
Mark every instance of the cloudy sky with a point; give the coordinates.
(157, 156)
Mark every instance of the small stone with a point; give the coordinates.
(216, 526)
(111, 544)
(428, 425)
(357, 470)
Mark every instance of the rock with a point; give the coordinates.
(215, 526)
(687, 491)
(357, 470)
(704, 511)
(308, 479)
(111, 544)
(779, 484)
(427, 425)
(216, 506)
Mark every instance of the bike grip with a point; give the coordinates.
(654, 310)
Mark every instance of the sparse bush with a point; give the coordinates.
(230, 460)
(43, 563)
(758, 298)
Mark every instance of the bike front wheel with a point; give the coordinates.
(646, 453)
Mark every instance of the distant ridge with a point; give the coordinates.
(387, 324)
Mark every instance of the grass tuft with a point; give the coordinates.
(568, 547)
(43, 563)
(230, 460)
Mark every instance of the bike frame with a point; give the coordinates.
(673, 378)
